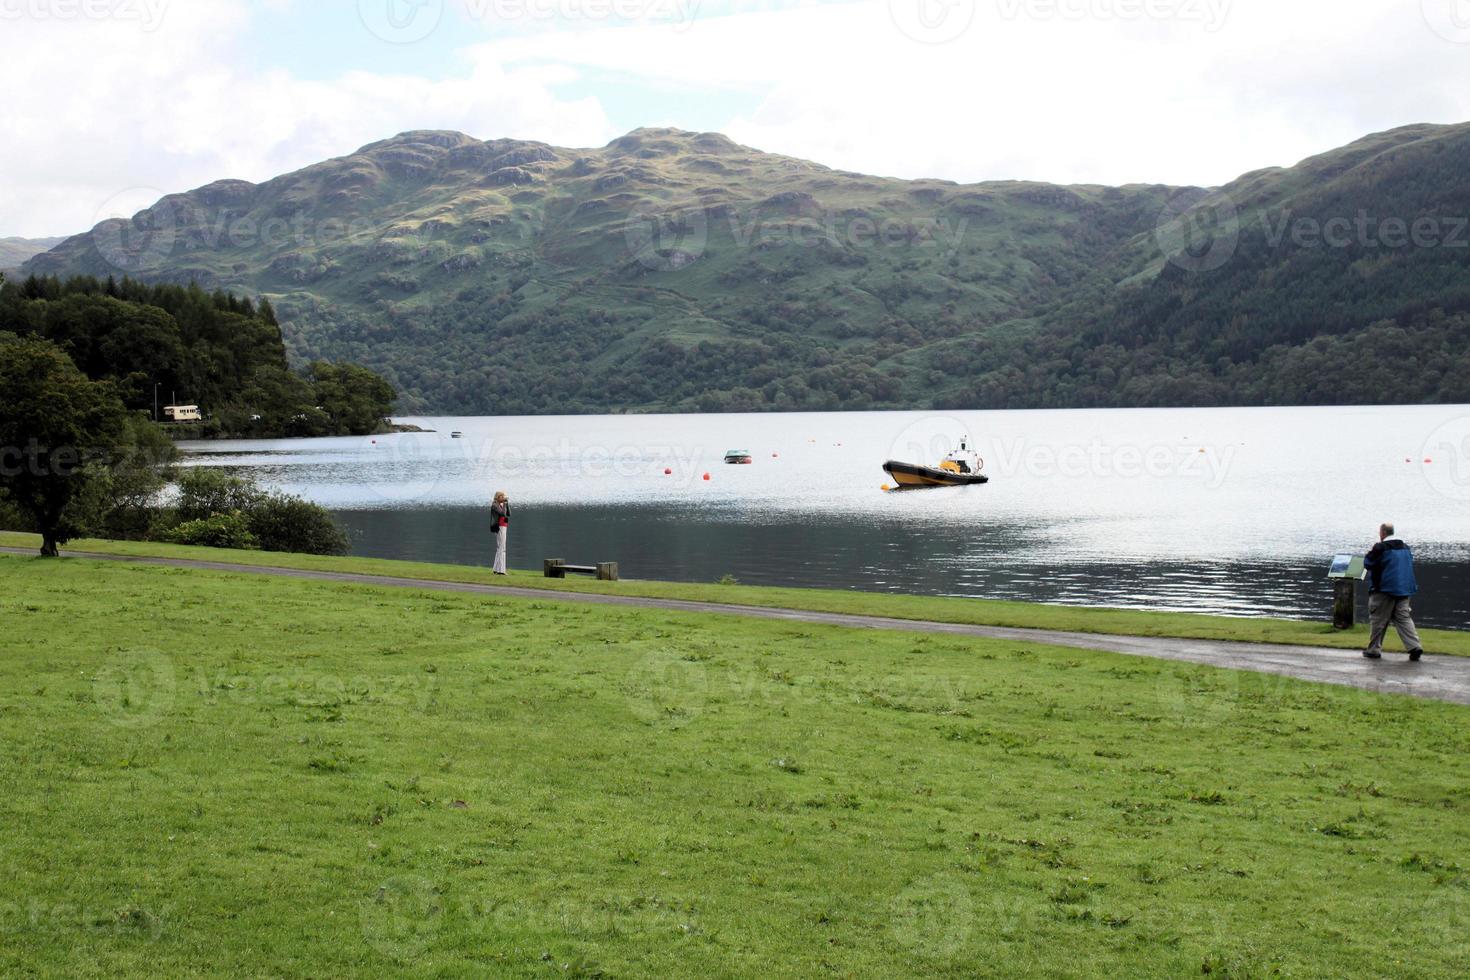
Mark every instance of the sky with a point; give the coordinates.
(113, 103)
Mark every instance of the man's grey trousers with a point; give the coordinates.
(1384, 609)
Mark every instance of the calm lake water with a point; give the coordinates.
(1234, 511)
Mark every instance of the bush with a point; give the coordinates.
(283, 523)
(216, 531)
(205, 492)
(274, 521)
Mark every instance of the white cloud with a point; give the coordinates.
(1107, 91)
(114, 116)
(1062, 90)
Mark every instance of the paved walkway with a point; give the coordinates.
(1438, 678)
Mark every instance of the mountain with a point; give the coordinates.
(14, 251)
(1342, 280)
(672, 270)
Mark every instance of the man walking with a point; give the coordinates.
(1390, 568)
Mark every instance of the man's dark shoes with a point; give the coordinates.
(1372, 656)
(1415, 654)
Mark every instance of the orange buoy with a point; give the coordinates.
(706, 478)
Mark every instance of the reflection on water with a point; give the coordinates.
(854, 551)
(1221, 510)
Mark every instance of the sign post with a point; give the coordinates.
(1346, 572)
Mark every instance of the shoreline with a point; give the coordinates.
(957, 611)
(201, 432)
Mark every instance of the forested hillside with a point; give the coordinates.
(681, 271)
(224, 353)
(1345, 279)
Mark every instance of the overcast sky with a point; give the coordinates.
(111, 103)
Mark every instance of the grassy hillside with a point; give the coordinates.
(208, 773)
(676, 270)
(15, 251)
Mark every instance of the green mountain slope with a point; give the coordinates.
(14, 251)
(1344, 279)
(675, 270)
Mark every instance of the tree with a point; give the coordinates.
(125, 500)
(221, 352)
(353, 397)
(134, 344)
(59, 433)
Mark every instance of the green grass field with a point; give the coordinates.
(980, 612)
(213, 773)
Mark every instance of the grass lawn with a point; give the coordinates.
(212, 773)
(981, 612)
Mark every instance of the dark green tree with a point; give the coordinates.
(221, 352)
(354, 398)
(124, 500)
(59, 436)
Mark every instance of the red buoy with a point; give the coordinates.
(706, 478)
(668, 472)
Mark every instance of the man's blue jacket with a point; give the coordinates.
(1390, 568)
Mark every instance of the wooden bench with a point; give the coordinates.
(606, 571)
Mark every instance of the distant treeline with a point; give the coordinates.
(215, 350)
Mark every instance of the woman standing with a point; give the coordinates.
(500, 527)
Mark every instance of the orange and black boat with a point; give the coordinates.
(961, 468)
